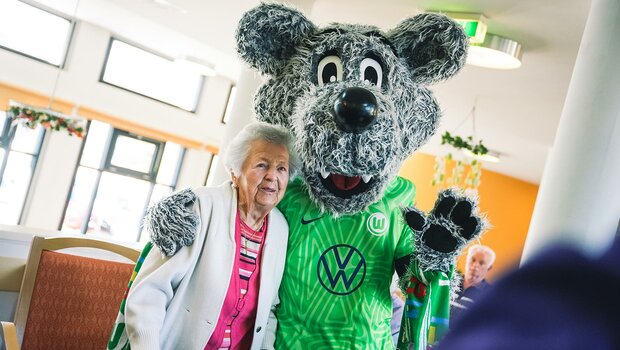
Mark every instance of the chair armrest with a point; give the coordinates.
(10, 336)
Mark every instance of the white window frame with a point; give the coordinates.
(105, 166)
(105, 63)
(68, 40)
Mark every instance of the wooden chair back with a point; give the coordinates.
(68, 301)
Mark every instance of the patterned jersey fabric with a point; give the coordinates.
(335, 293)
(427, 309)
(118, 339)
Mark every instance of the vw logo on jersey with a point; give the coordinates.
(377, 224)
(341, 269)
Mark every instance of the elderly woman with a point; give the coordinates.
(215, 292)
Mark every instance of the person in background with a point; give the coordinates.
(217, 291)
(479, 262)
(559, 300)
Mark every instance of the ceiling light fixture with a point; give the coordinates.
(495, 52)
(474, 25)
(490, 156)
(196, 64)
(168, 5)
(486, 49)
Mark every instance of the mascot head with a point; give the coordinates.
(354, 97)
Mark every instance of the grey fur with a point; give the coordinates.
(473, 199)
(428, 48)
(172, 222)
(430, 259)
(438, 50)
(281, 42)
(267, 38)
(455, 286)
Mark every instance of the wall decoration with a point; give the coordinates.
(31, 117)
(452, 171)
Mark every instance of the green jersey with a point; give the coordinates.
(335, 292)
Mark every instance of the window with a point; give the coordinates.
(139, 71)
(213, 166)
(34, 33)
(19, 152)
(119, 176)
(231, 100)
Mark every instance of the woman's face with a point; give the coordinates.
(264, 176)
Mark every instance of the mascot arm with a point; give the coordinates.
(429, 284)
(151, 291)
(401, 265)
(446, 230)
(173, 221)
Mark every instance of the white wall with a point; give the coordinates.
(195, 170)
(79, 83)
(51, 181)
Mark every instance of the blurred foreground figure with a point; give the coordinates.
(560, 300)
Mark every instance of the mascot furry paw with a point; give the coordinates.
(357, 102)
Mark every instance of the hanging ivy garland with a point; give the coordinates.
(463, 173)
(461, 143)
(32, 117)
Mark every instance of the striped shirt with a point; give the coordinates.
(239, 310)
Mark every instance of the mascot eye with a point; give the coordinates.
(371, 72)
(329, 70)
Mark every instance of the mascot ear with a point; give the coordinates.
(268, 34)
(433, 46)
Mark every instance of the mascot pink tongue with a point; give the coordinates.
(345, 183)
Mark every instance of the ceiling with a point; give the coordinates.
(517, 111)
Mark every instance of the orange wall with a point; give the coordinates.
(508, 203)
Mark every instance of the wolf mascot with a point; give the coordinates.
(357, 102)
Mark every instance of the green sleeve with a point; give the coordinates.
(406, 197)
(404, 246)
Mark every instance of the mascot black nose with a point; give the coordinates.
(355, 109)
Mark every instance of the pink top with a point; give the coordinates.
(236, 322)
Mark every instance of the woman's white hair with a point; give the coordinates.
(239, 148)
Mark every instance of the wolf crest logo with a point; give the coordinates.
(377, 224)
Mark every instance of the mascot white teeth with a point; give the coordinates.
(357, 101)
